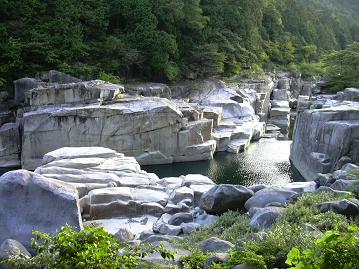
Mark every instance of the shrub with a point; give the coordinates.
(305, 211)
(91, 248)
(110, 78)
(194, 261)
(230, 226)
(271, 249)
(334, 250)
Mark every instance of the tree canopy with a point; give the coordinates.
(164, 40)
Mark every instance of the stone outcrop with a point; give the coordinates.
(116, 194)
(156, 123)
(202, 117)
(73, 93)
(223, 198)
(33, 202)
(9, 145)
(324, 135)
(11, 248)
(280, 110)
(151, 129)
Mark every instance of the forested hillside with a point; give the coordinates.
(164, 40)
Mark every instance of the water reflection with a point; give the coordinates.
(266, 161)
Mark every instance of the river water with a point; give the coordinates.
(264, 162)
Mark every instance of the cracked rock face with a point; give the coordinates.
(33, 202)
(323, 136)
(133, 127)
(151, 129)
(9, 145)
(116, 194)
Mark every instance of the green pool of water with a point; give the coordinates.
(265, 162)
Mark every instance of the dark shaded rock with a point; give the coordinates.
(270, 195)
(12, 248)
(214, 244)
(349, 208)
(264, 218)
(161, 238)
(54, 76)
(222, 198)
(258, 187)
(23, 85)
(330, 190)
(324, 180)
(179, 218)
(188, 228)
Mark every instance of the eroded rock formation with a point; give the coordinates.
(325, 134)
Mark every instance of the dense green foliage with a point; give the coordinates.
(299, 227)
(169, 39)
(91, 248)
(343, 68)
(334, 250)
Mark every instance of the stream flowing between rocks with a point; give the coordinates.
(264, 162)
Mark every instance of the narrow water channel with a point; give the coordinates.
(265, 162)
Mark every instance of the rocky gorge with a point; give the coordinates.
(85, 142)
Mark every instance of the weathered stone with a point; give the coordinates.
(179, 218)
(345, 207)
(149, 89)
(269, 195)
(263, 218)
(161, 238)
(323, 136)
(301, 187)
(33, 202)
(54, 76)
(23, 85)
(214, 244)
(283, 83)
(125, 194)
(199, 190)
(214, 114)
(330, 190)
(79, 152)
(324, 179)
(167, 229)
(188, 228)
(125, 209)
(73, 93)
(124, 235)
(222, 198)
(136, 125)
(181, 194)
(13, 249)
(345, 185)
(196, 179)
(9, 145)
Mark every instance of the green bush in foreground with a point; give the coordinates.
(333, 251)
(90, 248)
(299, 227)
(231, 226)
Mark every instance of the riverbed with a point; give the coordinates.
(264, 162)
